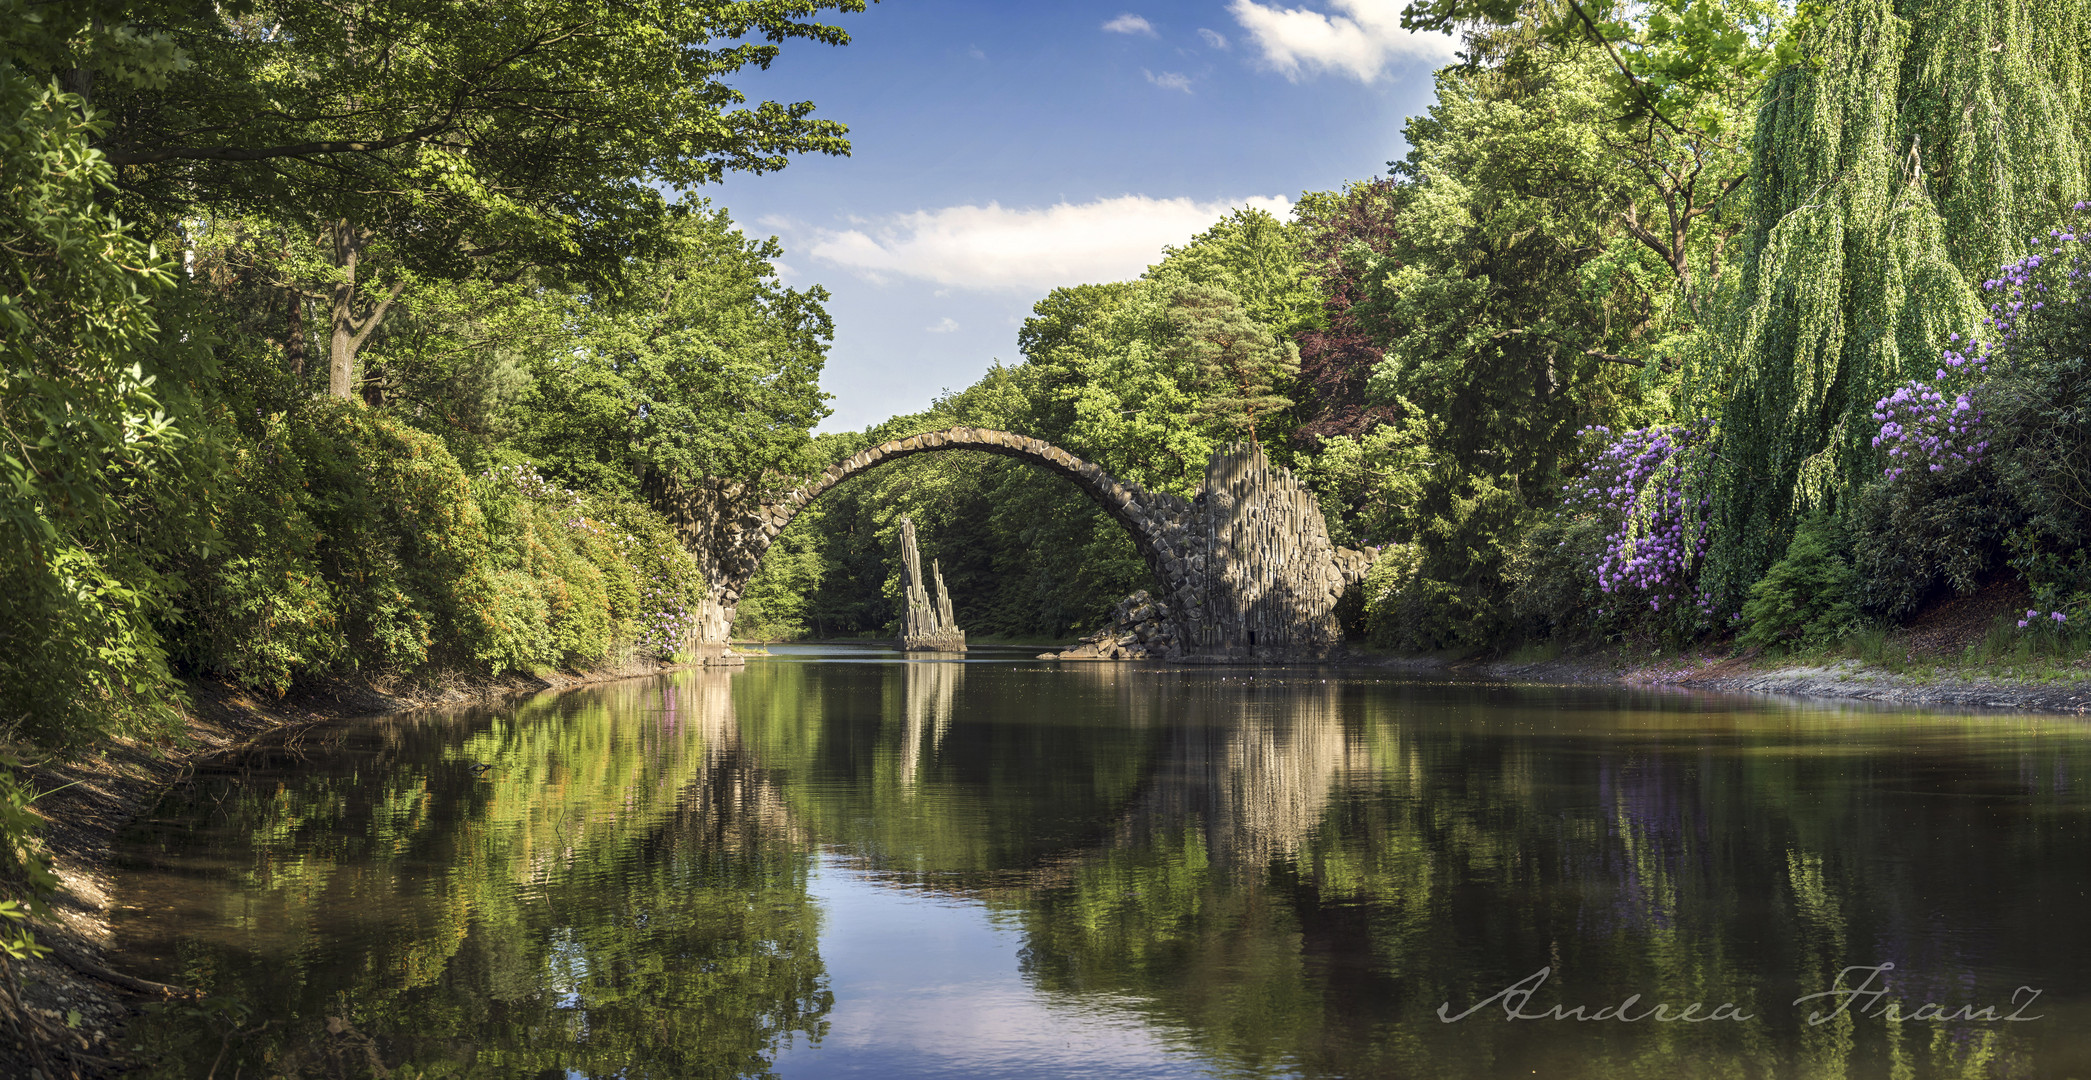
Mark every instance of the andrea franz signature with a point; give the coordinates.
(1867, 996)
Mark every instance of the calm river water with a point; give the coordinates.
(842, 863)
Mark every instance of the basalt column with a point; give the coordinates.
(1267, 580)
(928, 625)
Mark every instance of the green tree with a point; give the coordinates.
(404, 142)
(1895, 167)
(1240, 364)
(701, 370)
(86, 441)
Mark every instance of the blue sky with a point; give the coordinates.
(1003, 148)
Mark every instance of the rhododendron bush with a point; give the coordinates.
(1987, 463)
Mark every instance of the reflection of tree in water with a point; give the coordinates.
(620, 894)
(1302, 900)
(1252, 777)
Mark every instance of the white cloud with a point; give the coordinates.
(993, 247)
(944, 325)
(1130, 23)
(1169, 80)
(1213, 38)
(1360, 38)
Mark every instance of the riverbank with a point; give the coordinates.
(1963, 652)
(2060, 688)
(81, 1003)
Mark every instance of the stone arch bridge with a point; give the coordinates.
(1243, 571)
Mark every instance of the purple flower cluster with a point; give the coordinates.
(1936, 424)
(2033, 616)
(1933, 424)
(1654, 543)
(665, 620)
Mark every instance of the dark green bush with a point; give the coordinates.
(1448, 589)
(1805, 599)
(1553, 583)
(1919, 534)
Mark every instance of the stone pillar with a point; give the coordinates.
(928, 624)
(1268, 581)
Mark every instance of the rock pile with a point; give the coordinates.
(1140, 629)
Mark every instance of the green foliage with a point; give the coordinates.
(1924, 533)
(26, 877)
(355, 542)
(1240, 364)
(448, 139)
(700, 366)
(1859, 262)
(1446, 588)
(1371, 486)
(1256, 258)
(1553, 593)
(2040, 404)
(86, 436)
(1515, 304)
(1806, 599)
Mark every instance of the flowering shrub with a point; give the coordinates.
(1937, 423)
(1989, 459)
(1637, 483)
(1921, 426)
(668, 619)
(2033, 616)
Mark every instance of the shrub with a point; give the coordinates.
(1554, 588)
(1446, 589)
(1990, 459)
(350, 541)
(1805, 599)
(259, 611)
(1923, 532)
(1638, 487)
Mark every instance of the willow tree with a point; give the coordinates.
(1920, 144)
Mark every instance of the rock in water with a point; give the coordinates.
(928, 625)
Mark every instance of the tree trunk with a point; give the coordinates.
(350, 332)
(295, 347)
(341, 353)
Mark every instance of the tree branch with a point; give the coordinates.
(1632, 80)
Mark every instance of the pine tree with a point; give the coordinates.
(1240, 363)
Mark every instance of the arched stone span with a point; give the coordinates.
(1243, 571)
(738, 552)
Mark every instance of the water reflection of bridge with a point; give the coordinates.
(1249, 765)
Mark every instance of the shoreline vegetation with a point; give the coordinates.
(1706, 343)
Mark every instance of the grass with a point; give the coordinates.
(1534, 652)
(2002, 650)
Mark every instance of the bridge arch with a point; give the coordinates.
(1243, 572)
(1153, 519)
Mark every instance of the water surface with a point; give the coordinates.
(848, 863)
